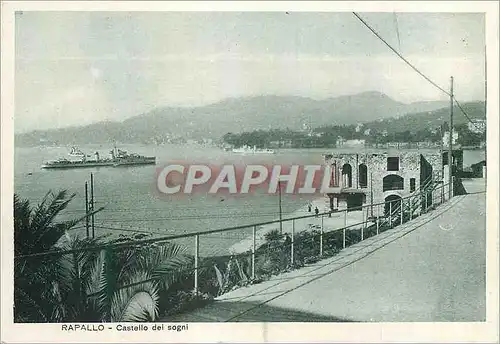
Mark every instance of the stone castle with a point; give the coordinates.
(375, 177)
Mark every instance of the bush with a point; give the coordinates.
(183, 301)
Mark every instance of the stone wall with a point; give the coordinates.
(376, 163)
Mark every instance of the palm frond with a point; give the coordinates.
(27, 307)
(241, 272)
(99, 286)
(22, 213)
(220, 278)
(174, 269)
(43, 222)
(77, 266)
(166, 263)
(153, 256)
(138, 302)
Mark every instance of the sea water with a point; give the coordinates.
(130, 199)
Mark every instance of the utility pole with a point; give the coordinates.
(441, 149)
(87, 209)
(441, 146)
(450, 148)
(92, 202)
(371, 193)
(279, 196)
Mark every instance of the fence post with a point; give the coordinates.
(402, 213)
(425, 202)
(362, 224)
(378, 215)
(390, 214)
(321, 238)
(292, 243)
(345, 225)
(254, 230)
(196, 256)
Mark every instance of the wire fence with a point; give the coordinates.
(252, 253)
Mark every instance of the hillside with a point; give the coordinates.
(233, 115)
(428, 119)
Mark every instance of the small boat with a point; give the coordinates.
(252, 150)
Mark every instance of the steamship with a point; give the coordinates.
(117, 157)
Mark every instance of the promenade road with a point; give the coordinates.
(430, 269)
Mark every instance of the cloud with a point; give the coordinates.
(79, 67)
(86, 91)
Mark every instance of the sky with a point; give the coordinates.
(75, 68)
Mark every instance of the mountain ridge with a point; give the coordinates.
(234, 115)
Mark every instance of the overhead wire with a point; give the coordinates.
(465, 114)
(399, 55)
(413, 67)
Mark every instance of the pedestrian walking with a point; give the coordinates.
(316, 211)
(288, 240)
(309, 207)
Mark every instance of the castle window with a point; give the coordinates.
(363, 176)
(393, 164)
(392, 182)
(412, 184)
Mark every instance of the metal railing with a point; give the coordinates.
(259, 250)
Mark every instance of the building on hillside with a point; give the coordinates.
(281, 144)
(477, 126)
(446, 138)
(370, 178)
(354, 143)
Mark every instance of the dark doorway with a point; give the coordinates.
(363, 176)
(354, 202)
(347, 176)
(392, 202)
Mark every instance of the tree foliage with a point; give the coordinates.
(110, 285)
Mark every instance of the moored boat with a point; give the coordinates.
(252, 150)
(117, 158)
(66, 164)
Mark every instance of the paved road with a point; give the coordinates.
(431, 269)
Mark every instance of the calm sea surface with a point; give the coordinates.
(129, 193)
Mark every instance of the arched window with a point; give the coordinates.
(334, 180)
(363, 176)
(347, 176)
(393, 182)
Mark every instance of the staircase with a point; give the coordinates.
(427, 188)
